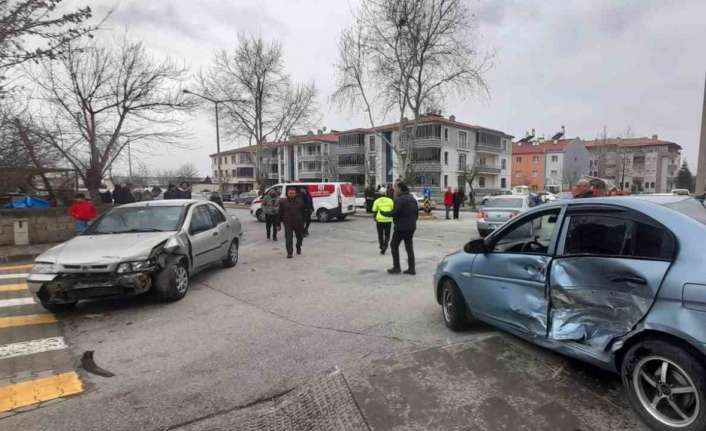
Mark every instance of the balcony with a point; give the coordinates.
(488, 170)
(486, 148)
(434, 166)
(309, 157)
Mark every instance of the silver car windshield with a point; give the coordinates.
(504, 203)
(138, 219)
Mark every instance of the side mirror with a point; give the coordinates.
(476, 246)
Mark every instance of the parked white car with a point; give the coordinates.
(331, 200)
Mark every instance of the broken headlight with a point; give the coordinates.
(136, 266)
(43, 268)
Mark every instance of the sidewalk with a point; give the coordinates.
(21, 253)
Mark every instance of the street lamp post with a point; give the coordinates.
(218, 136)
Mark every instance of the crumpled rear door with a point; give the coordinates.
(609, 268)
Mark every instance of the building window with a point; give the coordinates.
(232, 173)
(232, 159)
(446, 179)
(535, 159)
(503, 164)
(518, 159)
(428, 179)
(245, 172)
(462, 139)
(426, 155)
(488, 139)
(446, 135)
(446, 159)
(462, 162)
(652, 185)
(503, 183)
(481, 182)
(534, 174)
(426, 131)
(555, 159)
(371, 143)
(627, 185)
(355, 159)
(553, 173)
(518, 174)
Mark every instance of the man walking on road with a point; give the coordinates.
(448, 201)
(459, 197)
(404, 214)
(291, 211)
(270, 207)
(383, 223)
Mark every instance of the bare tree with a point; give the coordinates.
(102, 98)
(263, 105)
(186, 172)
(409, 54)
(31, 30)
(469, 175)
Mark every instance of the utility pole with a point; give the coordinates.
(129, 162)
(701, 166)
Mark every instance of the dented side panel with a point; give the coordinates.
(595, 299)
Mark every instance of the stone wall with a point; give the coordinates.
(46, 225)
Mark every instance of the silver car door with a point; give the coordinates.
(203, 236)
(610, 266)
(224, 236)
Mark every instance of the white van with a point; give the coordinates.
(331, 200)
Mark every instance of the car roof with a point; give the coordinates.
(163, 203)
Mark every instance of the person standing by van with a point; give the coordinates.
(404, 213)
(291, 211)
(383, 223)
(270, 206)
(459, 197)
(308, 208)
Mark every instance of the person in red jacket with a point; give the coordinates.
(448, 201)
(83, 211)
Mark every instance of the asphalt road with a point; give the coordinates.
(257, 330)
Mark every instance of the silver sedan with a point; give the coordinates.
(136, 248)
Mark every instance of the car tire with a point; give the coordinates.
(56, 307)
(652, 394)
(453, 306)
(260, 216)
(232, 258)
(341, 217)
(323, 216)
(172, 283)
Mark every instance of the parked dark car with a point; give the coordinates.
(618, 282)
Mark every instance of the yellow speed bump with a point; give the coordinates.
(26, 320)
(13, 287)
(15, 267)
(39, 390)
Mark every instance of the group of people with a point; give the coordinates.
(453, 201)
(371, 193)
(293, 211)
(183, 191)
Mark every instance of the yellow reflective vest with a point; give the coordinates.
(383, 203)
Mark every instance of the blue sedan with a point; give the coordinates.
(619, 282)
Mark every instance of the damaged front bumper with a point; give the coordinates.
(70, 287)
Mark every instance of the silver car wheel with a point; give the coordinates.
(182, 278)
(447, 304)
(666, 391)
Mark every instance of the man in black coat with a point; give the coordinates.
(308, 208)
(404, 215)
(291, 212)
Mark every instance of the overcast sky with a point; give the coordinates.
(581, 64)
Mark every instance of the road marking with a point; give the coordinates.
(29, 319)
(39, 390)
(13, 302)
(10, 276)
(13, 287)
(15, 267)
(31, 347)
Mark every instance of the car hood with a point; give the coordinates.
(104, 249)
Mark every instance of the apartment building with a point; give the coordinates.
(300, 158)
(552, 165)
(444, 150)
(636, 165)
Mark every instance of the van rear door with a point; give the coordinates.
(348, 195)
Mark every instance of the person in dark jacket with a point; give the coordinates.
(171, 192)
(308, 208)
(216, 199)
(270, 207)
(459, 197)
(404, 215)
(291, 212)
(369, 198)
(184, 191)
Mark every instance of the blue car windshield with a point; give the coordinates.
(138, 219)
(690, 207)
